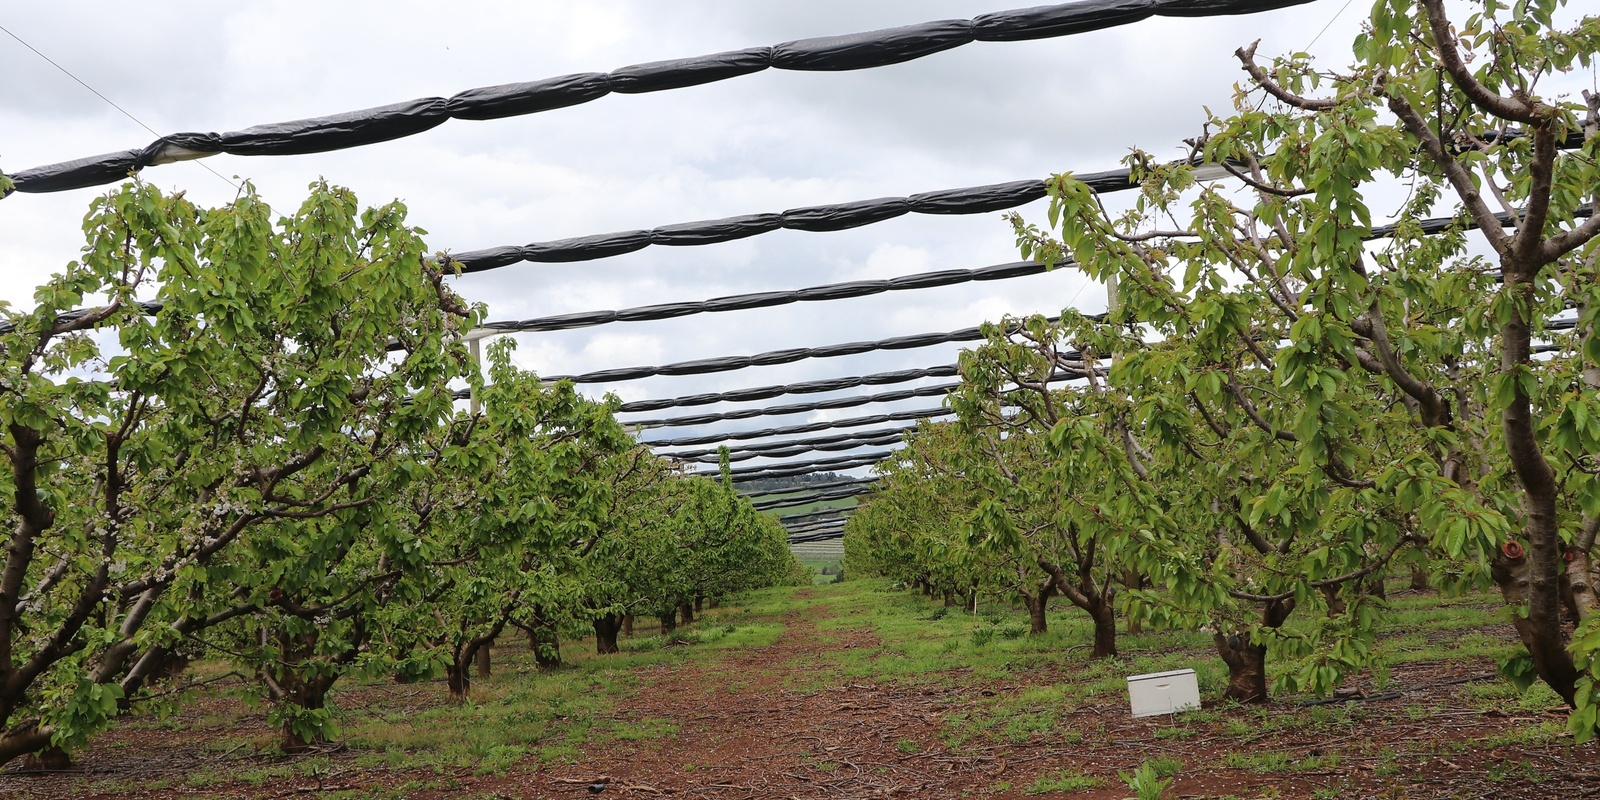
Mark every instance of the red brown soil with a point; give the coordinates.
(749, 725)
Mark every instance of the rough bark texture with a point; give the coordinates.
(1247, 662)
(605, 634)
(485, 669)
(686, 613)
(1247, 667)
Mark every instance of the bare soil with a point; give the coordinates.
(748, 728)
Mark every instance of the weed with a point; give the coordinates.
(1064, 781)
(1147, 782)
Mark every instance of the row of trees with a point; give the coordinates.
(1286, 403)
(267, 464)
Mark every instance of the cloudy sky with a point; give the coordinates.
(983, 113)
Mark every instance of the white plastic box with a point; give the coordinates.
(1163, 692)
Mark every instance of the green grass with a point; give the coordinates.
(1063, 780)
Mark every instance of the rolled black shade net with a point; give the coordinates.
(741, 302)
(747, 474)
(769, 505)
(820, 486)
(822, 54)
(816, 516)
(939, 390)
(774, 357)
(811, 538)
(804, 387)
(810, 427)
(1430, 226)
(795, 446)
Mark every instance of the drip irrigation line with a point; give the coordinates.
(742, 302)
(807, 387)
(810, 427)
(822, 54)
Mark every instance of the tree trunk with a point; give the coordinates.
(1534, 582)
(1247, 667)
(1419, 580)
(699, 603)
(22, 740)
(49, 759)
(627, 624)
(949, 599)
(311, 696)
(1247, 662)
(605, 634)
(1037, 623)
(1105, 629)
(1515, 579)
(547, 644)
(686, 610)
(459, 677)
(669, 623)
(483, 660)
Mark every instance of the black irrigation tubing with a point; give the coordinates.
(809, 427)
(938, 390)
(810, 487)
(807, 387)
(822, 54)
(710, 455)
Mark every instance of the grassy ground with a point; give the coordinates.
(936, 688)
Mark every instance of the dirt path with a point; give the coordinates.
(749, 726)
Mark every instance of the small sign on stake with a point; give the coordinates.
(1163, 693)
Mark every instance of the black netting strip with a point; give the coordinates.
(938, 390)
(1430, 226)
(774, 357)
(827, 53)
(812, 538)
(746, 474)
(810, 427)
(816, 516)
(810, 487)
(842, 441)
(806, 387)
(785, 502)
(741, 302)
